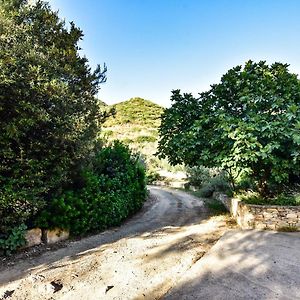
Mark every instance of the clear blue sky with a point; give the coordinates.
(154, 46)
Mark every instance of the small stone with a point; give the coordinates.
(267, 215)
(55, 235)
(57, 285)
(33, 237)
(291, 216)
(260, 226)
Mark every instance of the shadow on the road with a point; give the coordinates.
(245, 265)
(153, 219)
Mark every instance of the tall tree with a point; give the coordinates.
(49, 115)
(248, 122)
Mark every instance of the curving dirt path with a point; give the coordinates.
(142, 259)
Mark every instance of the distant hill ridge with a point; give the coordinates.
(136, 124)
(136, 111)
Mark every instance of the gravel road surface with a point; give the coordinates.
(142, 259)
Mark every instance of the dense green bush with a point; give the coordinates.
(112, 189)
(199, 175)
(206, 191)
(208, 180)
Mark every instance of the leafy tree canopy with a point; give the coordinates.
(248, 122)
(49, 114)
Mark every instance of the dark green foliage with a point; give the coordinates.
(216, 207)
(49, 116)
(152, 176)
(291, 228)
(220, 183)
(249, 123)
(281, 199)
(113, 188)
(245, 183)
(197, 176)
(13, 239)
(145, 139)
(206, 191)
(175, 144)
(207, 180)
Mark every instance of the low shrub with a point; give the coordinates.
(288, 229)
(152, 176)
(256, 199)
(19, 201)
(113, 188)
(208, 180)
(245, 183)
(197, 176)
(13, 239)
(216, 207)
(206, 191)
(146, 138)
(219, 183)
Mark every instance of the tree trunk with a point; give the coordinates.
(263, 186)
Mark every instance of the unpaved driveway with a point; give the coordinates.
(142, 259)
(247, 265)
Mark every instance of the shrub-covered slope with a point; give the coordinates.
(136, 123)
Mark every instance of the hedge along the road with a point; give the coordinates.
(113, 188)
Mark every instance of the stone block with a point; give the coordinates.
(259, 218)
(55, 235)
(260, 226)
(282, 224)
(235, 207)
(271, 226)
(292, 216)
(267, 215)
(33, 237)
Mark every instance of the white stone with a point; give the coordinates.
(267, 215)
(234, 206)
(33, 237)
(291, 216)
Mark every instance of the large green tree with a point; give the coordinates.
(249, 122)
(49, 115)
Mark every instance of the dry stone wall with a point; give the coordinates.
(273, 217)
(36, 236)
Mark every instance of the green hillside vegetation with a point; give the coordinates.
(136, 111)
(136, 124)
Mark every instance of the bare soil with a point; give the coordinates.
(142, 259)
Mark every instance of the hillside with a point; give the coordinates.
(136, 123)
(136, 111)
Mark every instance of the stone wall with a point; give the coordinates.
(36, 236)
(249, 216)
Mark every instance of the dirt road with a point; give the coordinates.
(142, 259)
